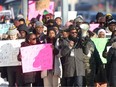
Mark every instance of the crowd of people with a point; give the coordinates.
(76, 60)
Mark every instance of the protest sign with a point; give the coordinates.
(33, 12)
(100, 44)
(9, 49)
(6, 13)
(93, 27)
(37, 58)
(5, 27)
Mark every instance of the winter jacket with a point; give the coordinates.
(56, 60)
(28, 77)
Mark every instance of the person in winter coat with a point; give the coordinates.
(23, 30)
(111, 65)
(91, 56)
(29, 78)
(39, 28)
(73, 66)
(14, 72)
(106, 55)
(51, 77)
(59, 22)
(108, 44)
(63, 40)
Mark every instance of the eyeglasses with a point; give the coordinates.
(32, 38)
(73, 32)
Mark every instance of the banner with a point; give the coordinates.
(9, 49)
(5, 27)
(37, 58)
(100, 45)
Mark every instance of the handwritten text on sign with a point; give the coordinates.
(37, 58)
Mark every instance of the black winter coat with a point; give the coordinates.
(111, 67)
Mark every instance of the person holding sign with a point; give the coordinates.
(29, 78)
(14, 75)
(51, 77)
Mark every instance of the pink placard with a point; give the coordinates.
(37, 58)
(93, 27)
(33, 13)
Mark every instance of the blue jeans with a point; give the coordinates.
(76, 81)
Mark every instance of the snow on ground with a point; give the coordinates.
(3, 83)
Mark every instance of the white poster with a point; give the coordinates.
(6, 13)
(71, 15)
(9, 49)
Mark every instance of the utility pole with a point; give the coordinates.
(73, 3)
(25, 8)
(72, 6)
(107, 6)
(64, 11)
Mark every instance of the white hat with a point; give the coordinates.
(102, 30)
(13, 31)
